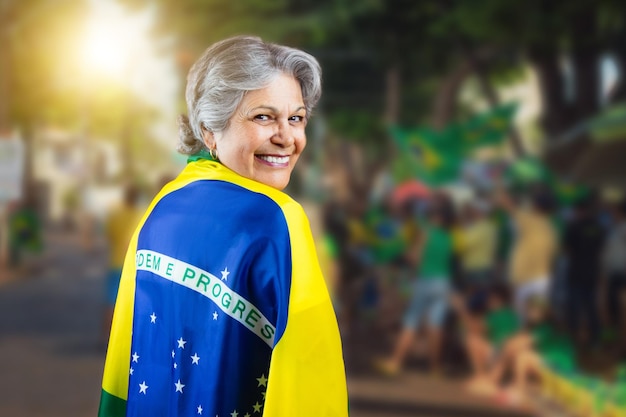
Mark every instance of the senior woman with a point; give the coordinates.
(222, 309)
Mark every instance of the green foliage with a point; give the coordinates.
(48, 87)
(357, 125)
(357, 42)
(40, 79)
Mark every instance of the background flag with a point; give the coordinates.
(426, 154)
(484, 129)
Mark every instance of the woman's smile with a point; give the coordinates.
(277, 161)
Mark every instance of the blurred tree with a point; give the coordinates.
(36, 37)
(563, 40)
(382, 56)
(404, 62)
(42, 82)
(198, 23)
(32, 34)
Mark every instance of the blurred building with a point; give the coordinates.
(70, 173)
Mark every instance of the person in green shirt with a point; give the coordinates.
(431, 255)
(489, 322)
(24, 231)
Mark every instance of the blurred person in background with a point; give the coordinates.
(614, 272)
(504, 244)
(488, 322)
(25, 231)
(525, 356)
(476, 247)
(345, 225)
(325, 247)
(534, 247)
(222, 308)
(391, 226)
(583, 242)
(431, 257)
(334, 219)
(119, 227)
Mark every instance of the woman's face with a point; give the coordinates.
(265, 135)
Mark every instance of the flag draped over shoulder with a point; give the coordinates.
(222, 308)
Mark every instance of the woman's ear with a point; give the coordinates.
(208, 138)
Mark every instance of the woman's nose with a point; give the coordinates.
(283, 135)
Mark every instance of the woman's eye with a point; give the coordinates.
(262, 117)
(296, 119)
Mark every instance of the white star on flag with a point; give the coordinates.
(142, 388)
(234, 414)
(225, 274)
(131, 370)
(257, 407)
(153, 318)
(215, 315)
(179, 386)
(246, 415)
(135, 357)
(181, 343)
(199, 409)
(173, 353)
(195, 358)
(262, 381)
(175, 365)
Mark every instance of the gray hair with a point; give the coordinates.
(218, 81)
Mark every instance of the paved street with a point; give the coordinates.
(51, 358)
(49, 329)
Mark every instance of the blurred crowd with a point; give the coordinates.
(514, 281)
(508, 286)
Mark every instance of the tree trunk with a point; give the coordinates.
(555, 109)
(5, 69)
(445, 101)
(392, 95)
(585, 59)
(587, 81)
(491, 94)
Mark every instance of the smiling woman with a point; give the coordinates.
(272, 122)
(248, 105)
(264, 336)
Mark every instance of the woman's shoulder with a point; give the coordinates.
(211, 173)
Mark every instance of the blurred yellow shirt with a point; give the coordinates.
(534, 248)
(119, 229)
(477, 245)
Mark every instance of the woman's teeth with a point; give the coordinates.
(274, 159)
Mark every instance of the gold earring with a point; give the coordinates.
(213, 153)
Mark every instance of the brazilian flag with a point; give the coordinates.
(568, 193)
(222, 308)
(429, 155)
(485, 129)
